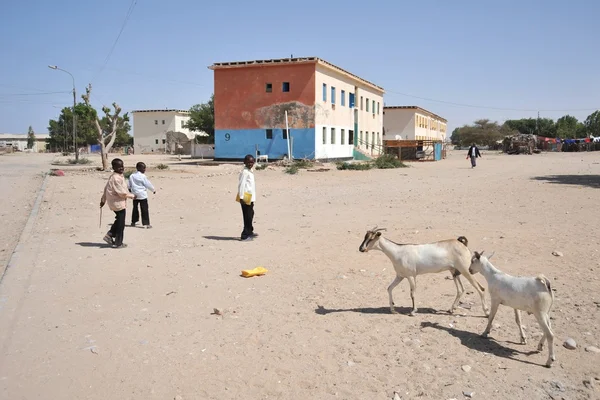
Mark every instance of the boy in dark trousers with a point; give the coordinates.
(138, 185)
(246, 196)
(116, 195)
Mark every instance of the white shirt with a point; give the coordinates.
(138, 183)
(473, 151)
(246, 184)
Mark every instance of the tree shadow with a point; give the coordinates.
(376, 310)
(476, 342)
(90, 244)
(592, 181)
(221, 238)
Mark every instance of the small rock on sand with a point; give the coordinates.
(592, 349)
(557, 254)
(570, 344)
(466, 368)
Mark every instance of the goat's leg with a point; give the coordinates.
(390, 288)
(495, 305)
(544, 321)
(413, 287)
(459, 291)
(479, 289)
(518, 320)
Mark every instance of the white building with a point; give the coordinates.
(150, 129)
(18, 141)
(413, 123)
(347, 109)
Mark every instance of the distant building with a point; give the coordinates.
(413, 123)
(332, 114)
(18, 141)
(152, 129)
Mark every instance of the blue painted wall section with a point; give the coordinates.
(235, 144)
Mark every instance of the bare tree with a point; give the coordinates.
(107, 127)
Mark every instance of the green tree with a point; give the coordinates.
(30, 138)
(567, 127)
(455, 137)
(592, 124)
(107, 127)
(202, 118)
(482, 132)
(533, 126)
(61, 129)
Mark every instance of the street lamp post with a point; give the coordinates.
(74, 103)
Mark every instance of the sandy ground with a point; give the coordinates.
(21, 176)
(82, 321)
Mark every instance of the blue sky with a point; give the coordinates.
(522, 55)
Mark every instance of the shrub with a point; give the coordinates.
(162, 166)
(304, 164)
(354, 166)
(80, 161)
(386, 161)
(260, 167)
(292, 169)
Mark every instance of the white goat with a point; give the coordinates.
(411, 260)
(533, 295)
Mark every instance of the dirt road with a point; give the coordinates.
(81, 321)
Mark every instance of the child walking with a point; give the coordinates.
(116, 195)
(246, 196)
(138, 185)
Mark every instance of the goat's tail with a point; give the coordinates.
(546, 283)
(463, 240)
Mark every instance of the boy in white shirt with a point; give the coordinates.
(246, 196)
(138, 185)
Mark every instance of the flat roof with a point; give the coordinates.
(164, 110)
(288, 61)
(417, 108)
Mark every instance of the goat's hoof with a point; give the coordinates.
(523, 341)
(484, 335)
(412, 313)
(393, 311)
(540, 347)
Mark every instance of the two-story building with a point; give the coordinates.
(150, 128)
(331, 113)
(413, 123)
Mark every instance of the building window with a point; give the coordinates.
(332, 135)
(269, 87)
(163, 121)
(155, 122)
(377, 108)
(324, 135)
(164, 141)
(183, 124)
(285, 133)
(269, 133)
(343, 138)
(373, 107)
(367, 138)
(367, 107)
(332, 95)
(285, 87)
(350, 137)
(324, 92)
(351, 100)
(360, 137)
(361, 103)
(156, 139)
(343, 99)
(372, 138)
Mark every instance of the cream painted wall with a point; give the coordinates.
(409, 124)
(342, 116)
(148, 128)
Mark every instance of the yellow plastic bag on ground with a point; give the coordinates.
(247, 273)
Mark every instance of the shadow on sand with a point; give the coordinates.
(476, 342)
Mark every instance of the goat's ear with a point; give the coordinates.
(491, 255)
(378, 234)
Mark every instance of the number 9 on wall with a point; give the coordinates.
(227, 137)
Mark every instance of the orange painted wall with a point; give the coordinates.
(241, 100)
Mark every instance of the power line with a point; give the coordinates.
(127, 16)
(32, 94)
(490, 107)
